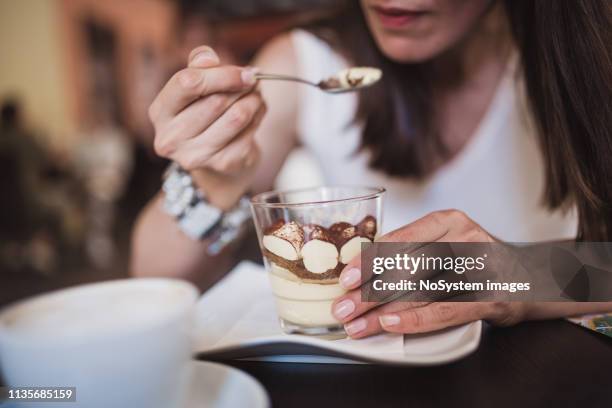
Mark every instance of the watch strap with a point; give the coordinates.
(196, 216)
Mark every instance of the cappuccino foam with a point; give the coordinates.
(98, 309)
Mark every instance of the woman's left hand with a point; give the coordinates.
(363, 319)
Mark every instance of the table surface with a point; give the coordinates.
(534, 364)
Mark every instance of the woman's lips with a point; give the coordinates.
(397, 18)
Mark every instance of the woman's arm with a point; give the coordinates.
(159, 248)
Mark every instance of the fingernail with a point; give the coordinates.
(356, 326)
(389, 320)
(189, 78)
(248, 75)
(344, 308)
(205, 57)
(350, 278)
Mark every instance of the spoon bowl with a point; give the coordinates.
(347, 80)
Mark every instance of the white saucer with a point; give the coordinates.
(213, 385)
(248, 328)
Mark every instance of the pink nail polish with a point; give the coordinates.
(349, 278)
(248, 75)
(207, 57)
(344, 309)
(389, 320)
(356, 326)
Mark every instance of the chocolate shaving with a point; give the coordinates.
(330, 83)
(314, 231)
(367, 227)
(343, 232)
(353, 81)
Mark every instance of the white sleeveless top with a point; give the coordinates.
(497, 178)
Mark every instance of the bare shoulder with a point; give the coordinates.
(282, 98)
(278, 54)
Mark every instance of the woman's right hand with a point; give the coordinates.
(206, 115)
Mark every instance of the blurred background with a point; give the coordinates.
(76, 157)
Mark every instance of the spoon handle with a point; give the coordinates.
(278, 77)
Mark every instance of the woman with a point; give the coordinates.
(450, 126)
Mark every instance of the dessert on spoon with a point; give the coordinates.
(347, 80)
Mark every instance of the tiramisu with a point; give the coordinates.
(305, 261)
(350, 79)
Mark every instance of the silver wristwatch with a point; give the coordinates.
(196, 217)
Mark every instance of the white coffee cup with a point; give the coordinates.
(122, 343)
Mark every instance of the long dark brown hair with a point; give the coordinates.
(566, 56)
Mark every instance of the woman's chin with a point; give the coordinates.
(408, 52)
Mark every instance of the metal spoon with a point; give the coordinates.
(347, 80)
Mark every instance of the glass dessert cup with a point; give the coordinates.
(307, 237)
